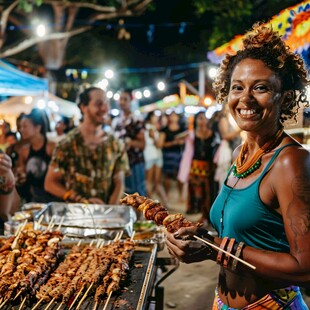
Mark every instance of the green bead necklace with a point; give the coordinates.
(247, 172)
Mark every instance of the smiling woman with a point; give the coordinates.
(262, 211)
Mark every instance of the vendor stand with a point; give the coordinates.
(87, 224)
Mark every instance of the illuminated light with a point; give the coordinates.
(110, 94)
(84, 74)
(192, 109)
(161, 86)
(68, 72)
(146, 93)
(210, 111)
(41, 30)
(103, 84)
(138, 95)
(212, 72)
(116, 96)
(207, 101)
(114, 112)
(28, 100)
(41, 104)
(109, 74)
(51, 104)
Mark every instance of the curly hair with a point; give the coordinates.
(265, 44)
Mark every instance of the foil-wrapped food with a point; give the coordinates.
(78, 220)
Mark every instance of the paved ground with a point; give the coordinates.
(191, 287)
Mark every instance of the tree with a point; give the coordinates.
(232, 17)
(63, 25)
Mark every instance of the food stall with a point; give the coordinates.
(70, 229)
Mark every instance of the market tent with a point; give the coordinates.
(292, 23)
(11, 108)
(14, 82)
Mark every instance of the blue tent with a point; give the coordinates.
(14, 82)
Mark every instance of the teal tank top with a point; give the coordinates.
(246, 218)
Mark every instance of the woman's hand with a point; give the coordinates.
(7, 179)
(186, 248)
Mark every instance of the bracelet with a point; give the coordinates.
(223, 247)
(66, 195)
(6, 188)
(238, 253)
(229, 249)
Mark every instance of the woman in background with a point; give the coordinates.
(153, 158)
(197, 167)
(172, 142)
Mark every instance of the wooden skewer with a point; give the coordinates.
(96, 305)
(76, 297)
(4, 302)
(40, 220)
(227, 253)
(61, 222)
(83, 298)
(18, 294)
(51, 223)
(107, 301)
(61, 304)
(133, 235)
(50, 303)
(37, 304)
(22, 304)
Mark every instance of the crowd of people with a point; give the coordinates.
(265, 178)
(139, 153)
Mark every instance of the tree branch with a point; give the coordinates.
(32, 41)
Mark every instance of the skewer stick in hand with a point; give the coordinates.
(227, 253)
(107, 301)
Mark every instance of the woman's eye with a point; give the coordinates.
(260, 88)
(236, 87)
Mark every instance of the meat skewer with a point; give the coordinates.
(155, 211)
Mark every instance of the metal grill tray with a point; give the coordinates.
(87, 220)
(134, 295)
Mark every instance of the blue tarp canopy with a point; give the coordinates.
(14, 82)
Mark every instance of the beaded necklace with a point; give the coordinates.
(243, 169)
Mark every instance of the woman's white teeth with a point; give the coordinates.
(247, 112)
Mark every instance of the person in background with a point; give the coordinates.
(61, 129)
(130, 128)
(89, 165)
(153, 158)
(172, 140)
(197, 167)
(262, 212)
(34, 157)
(230, 136)
(9, 198)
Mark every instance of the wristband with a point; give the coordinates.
(229, 249)
(66, 195)
(238, 253)
(223, 247)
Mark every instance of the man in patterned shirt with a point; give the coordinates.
(89, 165)
(130, 128)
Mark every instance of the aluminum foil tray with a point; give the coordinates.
(77, 220)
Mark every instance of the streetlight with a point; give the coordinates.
(212, 72)
(109, 74)
(146, 93)
(161, 86)
(41, 30)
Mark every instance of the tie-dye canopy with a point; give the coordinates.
(293, 24)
